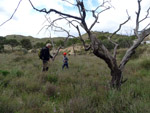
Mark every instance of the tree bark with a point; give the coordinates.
(116, 78)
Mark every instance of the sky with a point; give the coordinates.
(29, 22)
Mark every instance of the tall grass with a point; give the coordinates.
(83, 88)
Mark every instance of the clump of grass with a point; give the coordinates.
(4, 82)
(139, 51)
(9, 105)
(144, 72)
(33, 86)
(121, 52)
(17, 73)
(4, 72)
(52, 78)
(78, 105)
(145, 64)
(18, 58)
(50, 90)
(32, 102)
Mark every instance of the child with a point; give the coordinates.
(65, 61)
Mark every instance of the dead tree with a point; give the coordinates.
(96, 45)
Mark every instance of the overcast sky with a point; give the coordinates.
(28, 22)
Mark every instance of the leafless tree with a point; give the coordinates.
(96, 45)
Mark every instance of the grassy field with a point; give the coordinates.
(83, 88)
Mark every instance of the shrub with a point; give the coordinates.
(52, 78)
(108, 44)
(39, 45)
(78, 105)
(102, 37)
(32, 102)
(26, 43)
(9, 105)
(4, 73)
(1, 48)
(17, 73)
(139, 51)
(145, 64)
(125, 42)
(50, 90)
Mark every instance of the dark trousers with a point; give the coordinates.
(45, 65)
(65, 65)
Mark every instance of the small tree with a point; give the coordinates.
(98, 48)
(39, 45)
(2, 42)
(26, 43)
(13, 43)
(1, 48)
(59, 43)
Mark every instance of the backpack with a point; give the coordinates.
(40, 54)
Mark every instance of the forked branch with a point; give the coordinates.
(53, 10)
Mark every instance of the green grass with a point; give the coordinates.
(83, 88)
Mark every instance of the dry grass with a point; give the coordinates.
(83, 88)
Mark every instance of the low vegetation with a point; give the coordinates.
(83, 88)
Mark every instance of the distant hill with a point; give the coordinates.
(32, 39)
(85, 37)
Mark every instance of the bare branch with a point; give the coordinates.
(115, 48)
(109, 38)
(104, 2)
(57, 52)
(145, 16)
(53, 10)
(79, 8)
(52, 24)
(12, 14)
(96, 17)
(147, 26)
(137, 19)
(86, 47)
(69, 2)
(120, 26)
(82, 12)
(144, 33)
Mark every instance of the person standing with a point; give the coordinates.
(65, 61)
(45, 56)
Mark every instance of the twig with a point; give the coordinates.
(12, 14)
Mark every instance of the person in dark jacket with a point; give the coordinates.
(46, 56)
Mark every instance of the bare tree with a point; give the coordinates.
(95, 44)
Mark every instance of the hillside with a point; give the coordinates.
(85, 37)
(32, 39)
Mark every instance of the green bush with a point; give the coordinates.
(108, 44)
(125, 42)
(145, 64)
(102, 37)
(26, 43)
(4, 73)
(1, 48)
(139, 51)
(50, 90)
(9, 105)
(52, 78)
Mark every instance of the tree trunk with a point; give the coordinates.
(100, 51)
(116, 78)
(74, 50)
